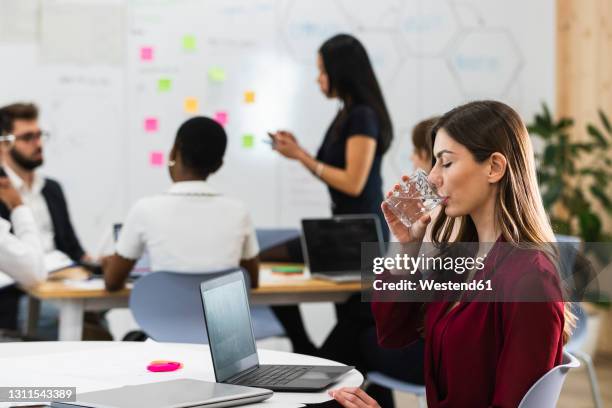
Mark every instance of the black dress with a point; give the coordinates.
(357, 120)
(353, 340)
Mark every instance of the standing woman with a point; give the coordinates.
(349, 159)
(349, 163)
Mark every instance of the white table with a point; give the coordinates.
(93, 366)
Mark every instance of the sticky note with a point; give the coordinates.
(248, 141)
(164, 85)
(151, 124)
(156, 159)
(216, 74)
(189, 43)
(191, 105)
(221, 117)
(249, 97)
(146, 54)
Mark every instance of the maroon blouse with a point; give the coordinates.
(483, 354)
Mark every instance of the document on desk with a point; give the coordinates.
(57, 260)
(91, 284)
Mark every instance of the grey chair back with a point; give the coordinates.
(545, 392)
(168, 306)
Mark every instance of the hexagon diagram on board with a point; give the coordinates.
(307, 24)
(427, 28)
(369, 14)
(382, 52)
(486, 62)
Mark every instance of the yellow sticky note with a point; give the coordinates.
(192, 105)
(216, 74)
(249, 97)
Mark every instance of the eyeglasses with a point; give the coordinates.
(27, 137)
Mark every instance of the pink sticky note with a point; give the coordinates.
(146, 54)
(156, 159)
(151, 125)
(221, 117)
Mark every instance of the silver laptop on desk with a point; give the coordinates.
(332, 246)
(232, 344)
(180, 393)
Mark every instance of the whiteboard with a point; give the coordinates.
(115, 78)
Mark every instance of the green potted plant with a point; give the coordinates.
(573, 176)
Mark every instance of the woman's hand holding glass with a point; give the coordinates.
(404, 234)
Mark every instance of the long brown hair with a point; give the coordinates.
(486, 127)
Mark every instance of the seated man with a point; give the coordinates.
(44, 196)
(21, 256)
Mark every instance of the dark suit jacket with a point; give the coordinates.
(65, 237)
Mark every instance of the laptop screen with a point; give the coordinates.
(334, 244)
(228, 323)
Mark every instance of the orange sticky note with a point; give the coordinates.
(191, 105)
(249, 97)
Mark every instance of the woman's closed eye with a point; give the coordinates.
(447, 164)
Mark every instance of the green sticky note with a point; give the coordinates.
(248, 141)
(287, 269)
(164, 85)
(189, 43)
(216, 74)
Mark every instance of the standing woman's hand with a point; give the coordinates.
(286, 144)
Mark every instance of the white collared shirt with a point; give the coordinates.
(21, 256)
(33, 198)
(191, 228)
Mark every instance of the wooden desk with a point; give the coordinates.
(73, 301)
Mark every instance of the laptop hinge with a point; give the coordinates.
(241, 374)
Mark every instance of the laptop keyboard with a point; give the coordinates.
(272, 375)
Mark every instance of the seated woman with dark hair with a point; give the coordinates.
(191, 228)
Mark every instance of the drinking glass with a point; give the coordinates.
(415, 198)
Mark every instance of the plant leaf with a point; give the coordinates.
(603, 198)
(605, 121)
(590, 226)
(561, 227)
(576, 148)
(553, 192)
(564, 123)
(546, 115)
(597, 135)
(550, 155)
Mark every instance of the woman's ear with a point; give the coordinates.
(497, 167)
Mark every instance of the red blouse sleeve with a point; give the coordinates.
(532, 340)
(397, 323)
(532, 346)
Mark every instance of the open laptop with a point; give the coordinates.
(232, 344)
(332, 246)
